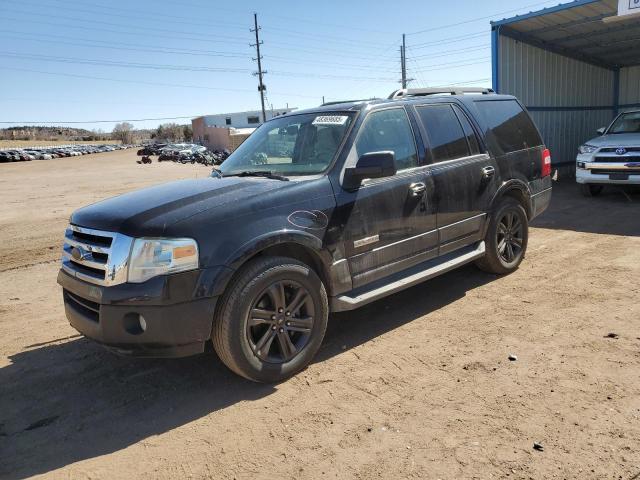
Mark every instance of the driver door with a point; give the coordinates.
(389, 223)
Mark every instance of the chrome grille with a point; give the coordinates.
(96, 256)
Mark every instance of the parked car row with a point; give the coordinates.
(183, 153)
(48, 153)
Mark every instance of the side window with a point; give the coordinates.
(447, 140)
(472, 139)
(389, 130)
(512, 128)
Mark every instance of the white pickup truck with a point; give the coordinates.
(611, 158)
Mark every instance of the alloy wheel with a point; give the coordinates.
(510, 235)
(280, 322)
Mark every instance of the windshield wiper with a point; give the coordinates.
(258, 173)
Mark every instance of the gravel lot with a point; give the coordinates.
(418, 385)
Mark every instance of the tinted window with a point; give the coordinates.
(447, 140)
(291, 145)
(389, 130)
(512, 127)
(474, 147)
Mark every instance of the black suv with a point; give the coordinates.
(318, 211)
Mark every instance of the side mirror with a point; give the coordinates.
(601, 130)
(370, 165)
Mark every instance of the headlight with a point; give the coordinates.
(151, 257)
(587, 149)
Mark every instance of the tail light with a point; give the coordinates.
(546, 163)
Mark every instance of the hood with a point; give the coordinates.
(616, 140)
(148, 212)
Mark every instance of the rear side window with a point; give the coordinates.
(447, 139)
(474, 147)
(511, 126)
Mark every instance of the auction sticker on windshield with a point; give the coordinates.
(331, 120)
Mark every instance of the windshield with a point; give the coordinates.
(626, 123)
(291, 145)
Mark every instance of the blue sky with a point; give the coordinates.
(75, 60)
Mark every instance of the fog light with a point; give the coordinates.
(134, 323)
(581, 165)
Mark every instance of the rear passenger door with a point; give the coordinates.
(464, 174)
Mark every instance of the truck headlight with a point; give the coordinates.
(587, 148)
(151, 257)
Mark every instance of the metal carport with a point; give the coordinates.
(575, 66)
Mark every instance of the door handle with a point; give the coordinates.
(417, 189)
(488, 172)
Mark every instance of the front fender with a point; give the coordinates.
(262, 242)
(248, 250)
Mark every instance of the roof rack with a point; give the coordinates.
(423, 92)
(338, 102)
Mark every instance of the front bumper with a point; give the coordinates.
(596, 168)
(167, 316)
(587, 176)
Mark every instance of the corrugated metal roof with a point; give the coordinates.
(579, 30)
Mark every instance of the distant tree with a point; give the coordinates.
(171, 132)
(187, 133)
(123, 132)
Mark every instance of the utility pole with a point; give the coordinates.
(259, 73)
(403, 61)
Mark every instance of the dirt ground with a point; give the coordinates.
(418, 385)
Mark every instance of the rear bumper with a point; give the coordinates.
(163, 317)
(540, 201)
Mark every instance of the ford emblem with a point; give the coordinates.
(79, 254)
(621, 151)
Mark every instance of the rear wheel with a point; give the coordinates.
(506, 239)
(591, 190)
(272, 319)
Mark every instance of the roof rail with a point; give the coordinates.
(338, 102)
(423, 92)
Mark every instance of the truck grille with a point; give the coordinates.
(96, 256)
(604, 171)
(613, 149)
(618, 159)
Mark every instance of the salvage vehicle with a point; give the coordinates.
(612, 158)
(372, 198)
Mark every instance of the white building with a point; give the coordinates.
(214, 131)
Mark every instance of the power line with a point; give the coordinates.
(185, 68)
(120, 32)
(477, 19)
(189, 21)
(447, 66)
(160, 84)
(448, 40)
(115, 46)
(20, 122)
(223, 38)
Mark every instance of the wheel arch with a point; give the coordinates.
(517, 190)
(300, 246)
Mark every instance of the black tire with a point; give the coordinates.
(591, 190)
(292, 337)
(506, 239)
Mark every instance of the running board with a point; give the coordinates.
(430, 269)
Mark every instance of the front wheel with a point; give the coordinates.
(506, 239)
(591, 190)
(271, 320)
